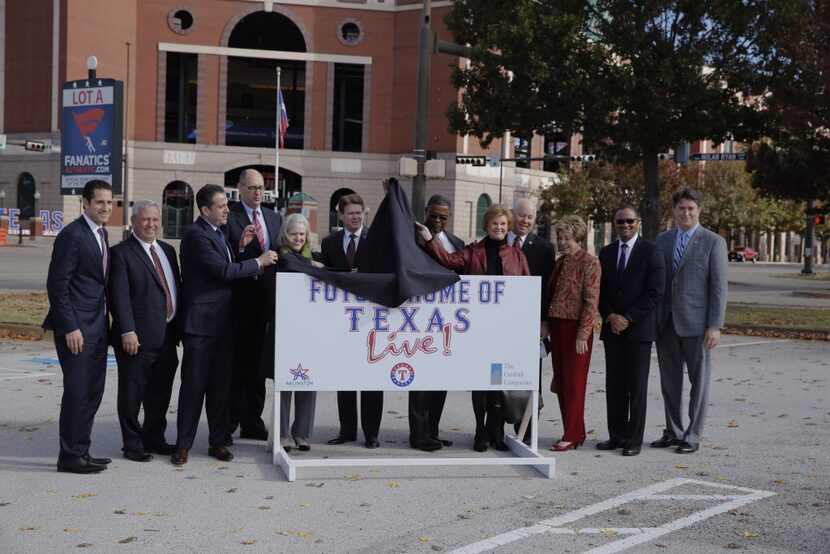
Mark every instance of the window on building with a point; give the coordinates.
(481, 207)
(180, 98)
(177, 209)
(347, 122)
(522, 152)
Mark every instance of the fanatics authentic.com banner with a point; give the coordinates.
(481, 333)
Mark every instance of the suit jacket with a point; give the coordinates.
(695, 294)
(472, 260)
(76, 283)
(136, 294)
(332, 254)
(207, 274)
(637, 296)
(540, 256)
(250, 289)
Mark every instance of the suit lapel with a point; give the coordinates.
(142, 255)
(92, 243)
(691, 247)
(170, 252)
(221, 246)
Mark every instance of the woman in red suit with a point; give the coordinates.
(573, 290)
(489, 256)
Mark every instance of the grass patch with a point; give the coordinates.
(23, 308)
(784, 317)
(816, 276)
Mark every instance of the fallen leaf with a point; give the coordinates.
(722, 478)
(285, 533)
(85, 545)
(160, 514)
(681, 467)
(375, 470)
(749, 534)
(192, 476)
(127, 540)
(528, 496)
(624, 512)
(30, 528)
(424, 539)
(70, 529)
(779, 481)
(608, 533)
(269, 498)
(732, 424)
(231, 490)
(265, 507)
(139, 513)
(4, 504)
(28, 429)
(734, 546)
(303, 534)
(121, 511)
(85, 495)
(393, 485)
(353, 477)
(304, 505)
(437, 547)
(248, 541)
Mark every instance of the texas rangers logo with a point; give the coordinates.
(87, 122)
(300, 373)
(402, 374)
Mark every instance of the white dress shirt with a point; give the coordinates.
(445, 242)
(165, 266)
(628, 251)
(347, 238)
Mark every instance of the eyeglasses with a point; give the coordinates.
(253, 189)
(626, 221)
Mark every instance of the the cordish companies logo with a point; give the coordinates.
(402, 374)
(300, 377)
(495, 374)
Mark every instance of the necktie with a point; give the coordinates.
(104, 251)
(678, 252)
(621, 264)
(517, 242)
(224, 242)
(259, 232)
(350, 251)
(163, 279)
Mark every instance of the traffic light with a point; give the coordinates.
(819, 219)
(479, 161)
(35, 146)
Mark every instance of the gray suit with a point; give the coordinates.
(694, 300)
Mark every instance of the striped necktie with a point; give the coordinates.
(681, 247)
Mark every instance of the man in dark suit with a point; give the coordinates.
(77, 285)
(690, 318)
(426, 407)
(341, 251)
(208, 270)
(250, 305)
(144, 292)
(633, 277)
(540, 255)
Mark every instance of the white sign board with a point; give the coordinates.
(482, 333)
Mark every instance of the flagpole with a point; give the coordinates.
(277, 139)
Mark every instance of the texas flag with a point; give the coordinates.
(283, 117)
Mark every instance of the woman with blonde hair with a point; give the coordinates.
(489, 256)
(573, 291)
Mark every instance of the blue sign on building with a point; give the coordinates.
(91, 133)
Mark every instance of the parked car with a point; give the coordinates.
(743, 253)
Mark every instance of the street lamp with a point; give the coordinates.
(37, 197)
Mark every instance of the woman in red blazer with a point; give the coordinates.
(573, 290)
(489, 256)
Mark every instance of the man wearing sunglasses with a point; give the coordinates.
(633, 278)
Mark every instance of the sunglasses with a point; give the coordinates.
(626, 221)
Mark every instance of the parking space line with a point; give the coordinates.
(635, 536)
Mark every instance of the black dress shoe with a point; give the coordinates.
(255, 434)
(179, 457)
(138, 455)
(444, 442)
(79, 465)
(631, 450)
(372, 442)
(610, 444)
(163, 449)
(340, 439)
(99, 461)
(664, 442)
(220, 453)
(686, 448)
(428, 446)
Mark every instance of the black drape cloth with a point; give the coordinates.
(391, 266)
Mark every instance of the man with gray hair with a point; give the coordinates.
(143, 293)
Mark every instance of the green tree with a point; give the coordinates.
(634, 77)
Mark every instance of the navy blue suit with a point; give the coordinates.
(76, 285)
(138, 304)
(251, 314)
(207, 327)
(628, 355)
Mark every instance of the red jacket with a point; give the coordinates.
(473, 259)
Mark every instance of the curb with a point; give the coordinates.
(778, 332)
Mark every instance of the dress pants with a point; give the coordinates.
(206, 376)
(247, 385)
(371, 410)
(672, 353)
(626, 388)
(425, 409)
(84, 376)
(304, 407)
(570, 376)
(146, 378)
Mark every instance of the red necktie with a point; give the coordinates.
(351, 249)
(258, 230)
(160, 272)
(517, 242)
